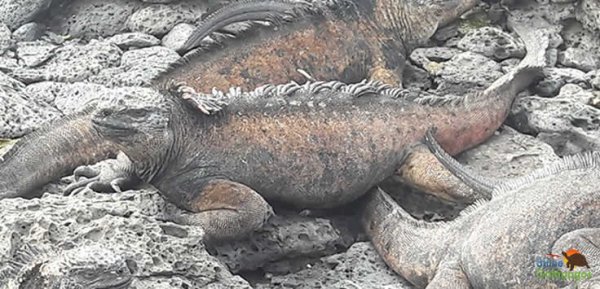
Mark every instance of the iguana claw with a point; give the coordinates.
(108, 176)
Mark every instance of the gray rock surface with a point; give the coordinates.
(492, 42)
(575, 35)
(429, 58)
(555, 78)
(177, 36)
(289, 251)
(158, 19)
(92, 18)
(577, 58)
(568, 123)
(359, 267)
(508, 154)
(15, 13)
(465, 72)
(21, 112)
(33, 54)
(134, 40)
(594, 78)
(127, 224)
(138, 67)
(285, 238)
(29, 32)
(6, 40)
(72, 62)
(588, 13)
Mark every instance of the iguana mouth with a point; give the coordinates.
(113, 125)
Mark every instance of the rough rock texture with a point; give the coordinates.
(588, 13)
(28, 32)
(492, 42)
(159, 19)
(177, 36)
(134, 40)
(567, 122)
(92, 18)
(285, 238)
(69, 98)
(342, 271)
(577, 58)
(126, 225)
(6, 40)
(72, 62)
(15, 13)
(137, 67)
(508, 154)
(21, 113)
(560, 115)
(467, 71)
(555, 78)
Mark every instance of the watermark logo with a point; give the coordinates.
(570, 265)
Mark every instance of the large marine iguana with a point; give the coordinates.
(494, 244)
(346, 40)
(316, 145)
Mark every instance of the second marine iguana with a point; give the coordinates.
(494, 244)
(315, 145)
(86, 267)
(345, 40)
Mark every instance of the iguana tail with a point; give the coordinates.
(257, 10)
(536, 41)
(410, 247)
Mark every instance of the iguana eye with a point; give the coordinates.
(89, 275)
(137, 112)
(105, 112)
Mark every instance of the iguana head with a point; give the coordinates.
(141, 130)
(86, 267)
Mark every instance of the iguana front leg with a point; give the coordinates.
(112, 175)
(224, 209)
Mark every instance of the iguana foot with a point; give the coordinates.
(112, 175)
(226, 210)
(422, 170)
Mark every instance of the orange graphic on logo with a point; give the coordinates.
(573, 257)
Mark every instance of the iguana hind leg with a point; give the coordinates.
(225, 210)
(422, 170)
(449, 275)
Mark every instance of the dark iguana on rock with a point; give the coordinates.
(494, 244)
(86, 267)
(315, 145)
(345, 40)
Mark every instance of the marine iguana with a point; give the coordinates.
(315, 145)
(86, 267)
(346, 40)
(493, 244)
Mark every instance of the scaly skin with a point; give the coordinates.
(313, 146)
(494, 244)
(342, 40)
(50, 153)
(87, 267)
